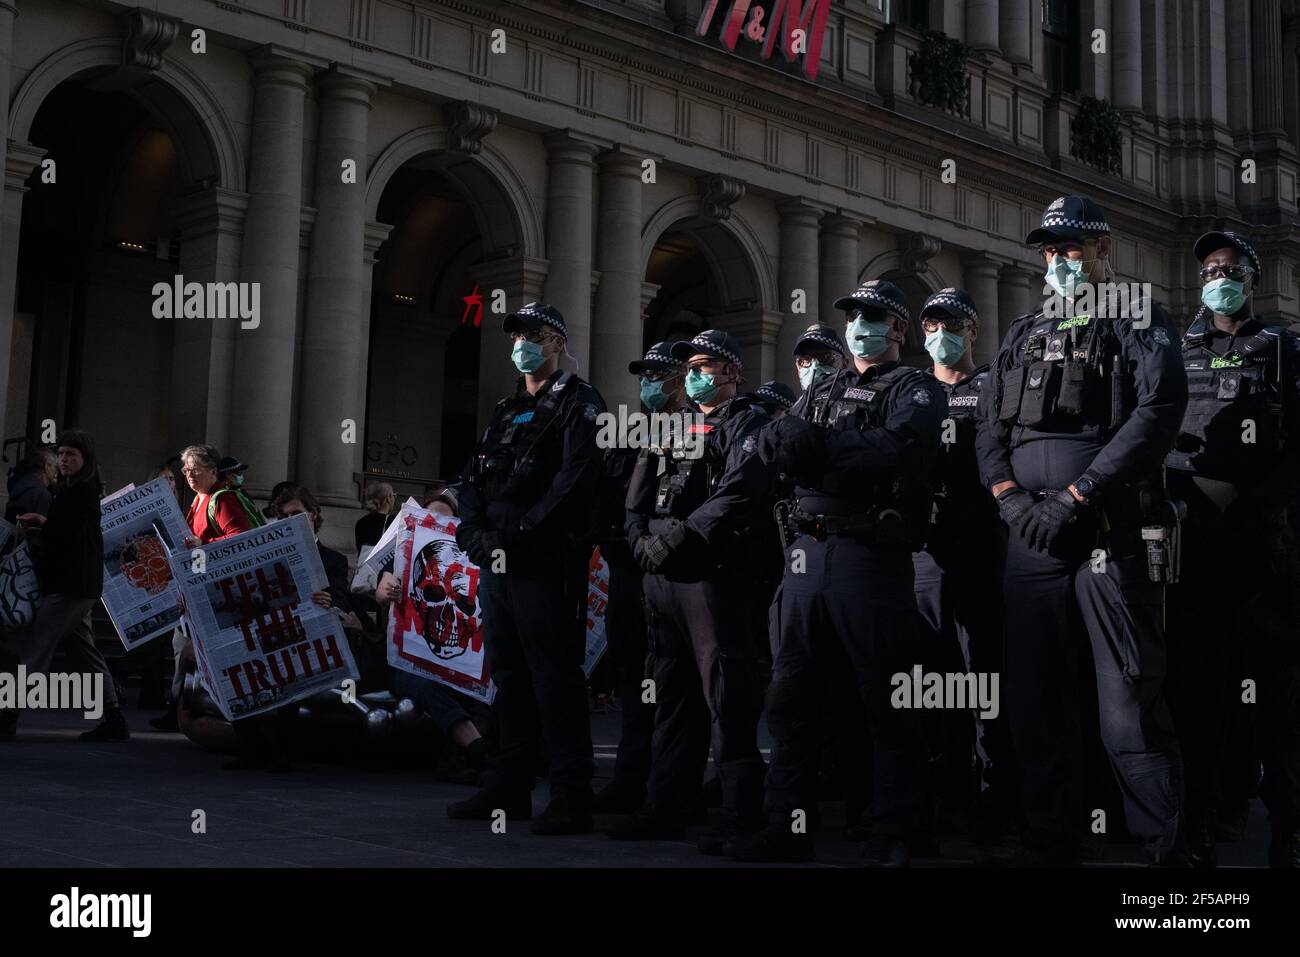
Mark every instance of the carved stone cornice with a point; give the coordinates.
(915, 250)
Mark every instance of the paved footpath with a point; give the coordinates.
(68, 804)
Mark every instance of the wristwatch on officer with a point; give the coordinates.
(1085, 489)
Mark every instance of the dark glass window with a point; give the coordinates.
(1061, 45)
(914, 14)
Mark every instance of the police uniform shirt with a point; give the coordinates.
(1262, 463)
(559, 496)
(738, 484)
(956, 473)
(1062, 447)
(877, 434)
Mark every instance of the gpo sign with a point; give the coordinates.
(800, 26)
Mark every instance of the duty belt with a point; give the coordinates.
(885, 526)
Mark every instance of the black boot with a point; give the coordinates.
(886, 850)
(1284, 849)
(773, 845)
(481, 805)
(716, 840)
(564, 815)
(1199, 837)
(112, 728)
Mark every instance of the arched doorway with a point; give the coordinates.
(92, 244)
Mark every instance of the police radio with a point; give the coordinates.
(1164, 545)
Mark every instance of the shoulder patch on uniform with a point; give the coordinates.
(750, 444)
(589, 412)
(1159, 334)
(920, 396)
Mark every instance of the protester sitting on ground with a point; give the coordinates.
(29, 485)
(270, 510)
(381, 509)
(70, 566)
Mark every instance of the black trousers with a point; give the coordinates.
(957, 597)
(1219, 636)
(1055, 602)
(534, 621)
(626, 630)
(860, 597)
(707, 687)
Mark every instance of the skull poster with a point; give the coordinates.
(436, 628)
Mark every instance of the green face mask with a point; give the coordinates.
(946, 348)
(867, 339)
(810, 374)
(700, 386)
(527, 356)
(1065, 275)
(652, 394)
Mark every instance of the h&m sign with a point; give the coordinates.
(799, 25)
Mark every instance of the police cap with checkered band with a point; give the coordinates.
(1214, 241)
(955, 302)
(710, 342)
(1070, 217)
(533, 316)
(877, 294)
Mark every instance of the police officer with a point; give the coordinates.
(689, 509)
(1236, 466)
(526, 516)
(662, 390)
(859, 445)
(1075, 420)
(959, 570)
(775, 398)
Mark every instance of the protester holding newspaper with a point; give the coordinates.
(70, 565)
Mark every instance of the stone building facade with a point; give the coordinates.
(501, 154)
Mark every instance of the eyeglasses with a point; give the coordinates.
(197, 470)
(1230, 271)
(952, 325)
(661, 375)
(536, 337)
(808, 359)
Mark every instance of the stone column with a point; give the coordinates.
(983, 25)
(797, 270)
(1018, 293)
(264, 357)
(21, 160)
(568, 236)
(617, 332)
(211, 226)
(838, 264)
(1266, 30)
(980, 275)
(333, 331)
(1013, 30)
(1126, 66)
(522, 278)
(1094, 69)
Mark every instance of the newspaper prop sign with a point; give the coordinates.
(141, 527)
(260, 642)
(379, 559)
(435, 630)
(597, 600)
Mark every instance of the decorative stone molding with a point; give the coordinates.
(467, 125)
(915, 252)
(718, 193)
(148, 35)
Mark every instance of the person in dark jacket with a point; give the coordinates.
(70, 566)
(29, 486)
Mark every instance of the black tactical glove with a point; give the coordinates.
(1042, 523)
(483, 545)
(1013, 503)
(801, 447)
(657, 551)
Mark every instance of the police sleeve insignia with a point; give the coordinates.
(920, 397)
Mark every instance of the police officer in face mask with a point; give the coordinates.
(775, 398)
(526, 516)
(959, 570)
(662, 390)
(1080, 409)
(1236, 465)
(689, 511)
(859, 445)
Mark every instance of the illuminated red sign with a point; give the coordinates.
(473, 304)
(801, 27)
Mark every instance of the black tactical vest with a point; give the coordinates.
(513, 463)
(957, 468)
(1232, 428)
(685, 483)
(1067, 376)
(845, 406)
